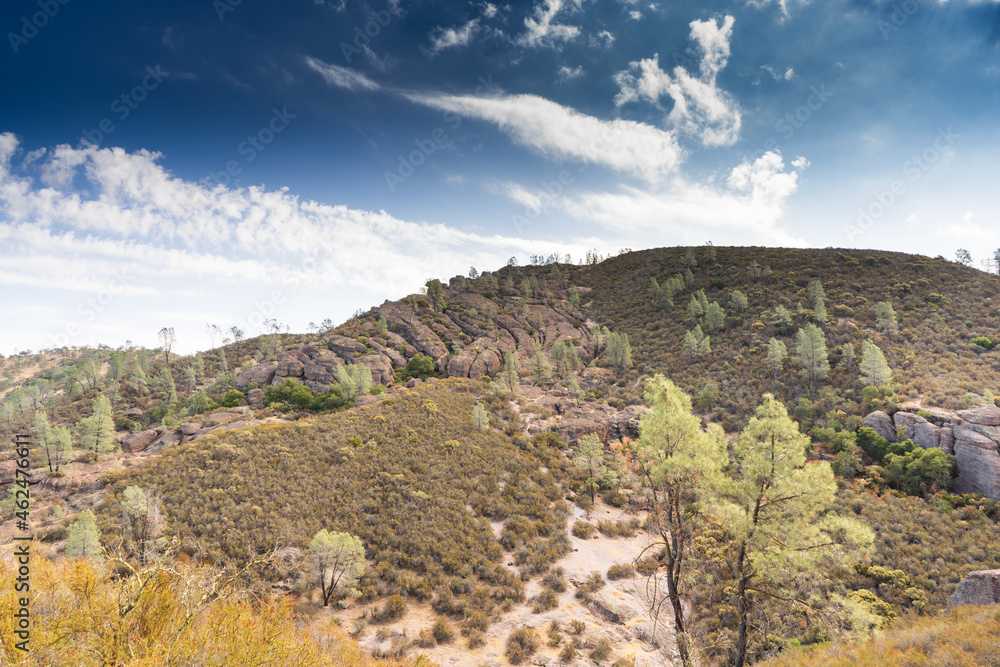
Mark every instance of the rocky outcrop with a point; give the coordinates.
(982, 587)
(381, 368)
(261, 374)
(972, 436)
(133, 444)
(882, 423)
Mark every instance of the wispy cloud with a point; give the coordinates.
(342, 77)
(540, 28)
(444, 38)
(561, 132)
(569, 73)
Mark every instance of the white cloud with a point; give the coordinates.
(489, 10)
(569, 73)
(800, 162)
(540, 29)
(563, 133)
(342, 77)
(748, 210)
(443, 38)
(602, 39)
(635, 15)
(778, 75)
(700, 108)
(118, 216)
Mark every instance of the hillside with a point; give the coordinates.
(443, 430)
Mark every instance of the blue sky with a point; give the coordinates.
(228, 162)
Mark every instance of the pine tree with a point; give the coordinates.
(139, 380)
(715, 317)
(572, 357)
(540, 365)
(688, 277)
(847, 356)
(355, 380)
(689, 257)
(810, 345)
(574, 388)
(60, 448)
(509, 374)
(480, 417)
(574, 296)
(198, 365)
(886, 318)
(739, 301)
(619, 352)
(819, 312)
(690, 344)
(875, 370)
(382, 326)
(679, 463)
(816, 291)
(97, 432)
(559, 357)
(754, 270)
(782, 319)
(590, 457)
(776, 354)
(694, 310)
(83, 539)
(776, 511)
(43, 435)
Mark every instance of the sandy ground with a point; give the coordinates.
(619, 611)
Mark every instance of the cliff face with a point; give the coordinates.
(973, 436)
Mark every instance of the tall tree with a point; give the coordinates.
(97, 432)
(875, 370)
(435, 293)
(60, 450)
(776, 354)
(810, 345)
(167, 338)
(775, 510)
(619, 352)
(337, 560)
(676, 460)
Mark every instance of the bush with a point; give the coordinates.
(554, 580)
(592, 584)
(521, 644)
(232, 398)
(420, 366)
(620, 571)
(583, 530)
(983, 342)
(602, 651)
(393, 610)
(545, 601)
(443, 632)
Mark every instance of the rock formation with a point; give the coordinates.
(982, 587)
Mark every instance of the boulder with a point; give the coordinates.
(412, 382)
(255, 398)
(291, 367)
(923, 433)
(166, 440)
(346, 347)
(134, 412)
(882, 424)
(985, 415)
(459, 364)
(381, 368)
(978, 464)
(572, 430)
(261, 374)
(487, 362)
(132, 444)
(625, 424)
(982, 587)
(189, 428)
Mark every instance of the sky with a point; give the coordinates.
(230, 162)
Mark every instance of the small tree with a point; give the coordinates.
(694, 310)
(540, 365)
(886, 318)
(875, 370)
(816, 291)
(480, 417)
(590, 457)
(819, 312)
(355, 379)
(509, 374)
(83, 539)
(142, 522)
(776, 354)
(739, 301)
(167, 338)
(97, 432)
(559, 359)
(435, 293)
(715, 317)
(619, 352)
(810, 345)
(60, 450)
(782, 319)
(847, 355)
(337, 560)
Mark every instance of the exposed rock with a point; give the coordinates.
(572, 430)
(978, 467)
(947, 439)
(190, 428)
(985, 415)
(966, 435)
(882, 424)
(625, 424)
(982, 587)
(923, 433)
(291, 367)
(261, 374)
(488, 361)
(346, 347)
(255, 398)
(381, 368)
(412, 382)
(459, 364)
(132, 444)
(134, 412)
(166, 440)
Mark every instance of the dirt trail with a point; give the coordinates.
(619, 611)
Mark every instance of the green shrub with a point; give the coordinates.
(620, 571)
(419, 366)
(232, 398)
(521, 644)
(583, 530)
(442, 632)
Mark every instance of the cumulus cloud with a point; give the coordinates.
(342, 77)
(700, 107)
(561, 132)
(110, 215)
(540, 26)
(566, 73)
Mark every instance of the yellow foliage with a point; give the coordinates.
(86, 614)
